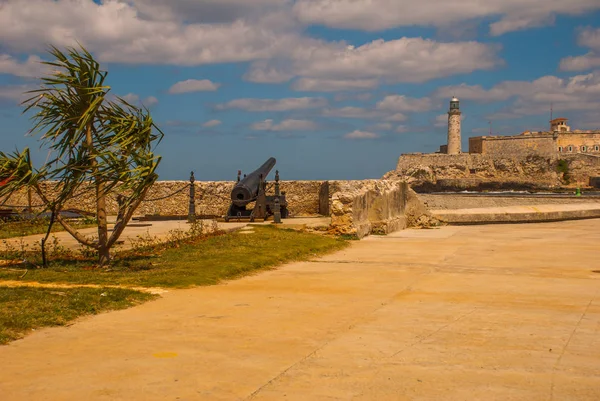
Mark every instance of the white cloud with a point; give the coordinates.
(203, 11)
(285, 125)
(211, 123)
(193, 85)
(361, 135)
(333, 85)
(501, 91)
(16, 93)
(352, 112)
(576, 93)
(134, 99)
(32, 67)
(285, 104)
(590, 38)
(200, 32)
(131, 98)
(402, 103)
(341, 97)
(269, 72)
(397, 117)
(336, 66)
(580, 63)
(136, 31)
(377, 15)
(384, 126)
(441, 120)
(150, 101)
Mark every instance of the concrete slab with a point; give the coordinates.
(497, 312)
(519, 214)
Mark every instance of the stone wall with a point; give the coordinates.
(360, 208)
(520, 146)
(581, 167)
(577, 141)
(212, 198)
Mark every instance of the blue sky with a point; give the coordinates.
(334, 89)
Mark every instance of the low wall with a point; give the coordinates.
(172, 198)
(360, 208)
(471, 201)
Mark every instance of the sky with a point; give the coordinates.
(334, 89)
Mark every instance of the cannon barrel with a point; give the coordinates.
(247, 189)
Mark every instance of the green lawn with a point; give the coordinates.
(22, 228)
(202, 262)
(25, 308)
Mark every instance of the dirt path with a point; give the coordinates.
(459, 313)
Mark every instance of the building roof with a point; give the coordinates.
(559, 119)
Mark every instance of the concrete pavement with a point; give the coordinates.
(501, 312)
(519, 213)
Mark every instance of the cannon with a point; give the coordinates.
(253, 188)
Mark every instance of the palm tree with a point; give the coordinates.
(93, 139)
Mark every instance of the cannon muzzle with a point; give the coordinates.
(247, 189)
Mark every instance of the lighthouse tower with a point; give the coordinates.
(454, 127)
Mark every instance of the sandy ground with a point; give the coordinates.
(500, 312)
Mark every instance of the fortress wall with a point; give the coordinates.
(519, 146)
(590, 140)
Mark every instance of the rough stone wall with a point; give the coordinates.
(519, 146)
(454, 141)
(466, 171)
(476, 144)
(360, 208)
(581, 167)
(212, 198)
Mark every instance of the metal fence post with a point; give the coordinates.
(192, 207)
(276, 201)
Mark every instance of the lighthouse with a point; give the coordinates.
(454, 127)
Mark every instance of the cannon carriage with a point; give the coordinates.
(253, 188)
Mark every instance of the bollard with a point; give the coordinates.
(276, 211)
(577, 191)
(276, 201)
(192, 207)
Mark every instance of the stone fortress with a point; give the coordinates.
(549, 159)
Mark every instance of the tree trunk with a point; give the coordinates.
(103, 249)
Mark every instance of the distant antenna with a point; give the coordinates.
(551, 110)
(489, 122)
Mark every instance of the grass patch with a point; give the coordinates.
(200, 262)
(22, 228)
(25, 308)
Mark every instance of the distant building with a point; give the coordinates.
(558, 140)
